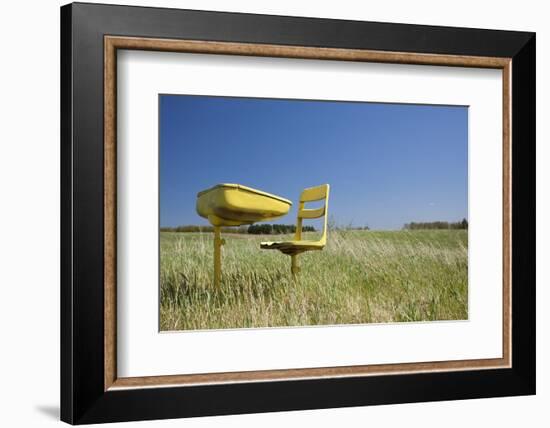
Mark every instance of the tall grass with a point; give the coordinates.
(360, 277)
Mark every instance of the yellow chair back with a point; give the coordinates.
(313, 194)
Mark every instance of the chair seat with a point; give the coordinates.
(292, 247)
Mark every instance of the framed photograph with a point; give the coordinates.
(265, 213)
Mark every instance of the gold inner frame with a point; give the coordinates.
(112, 43)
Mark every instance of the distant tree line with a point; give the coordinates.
(276, 229)
(436, 225)
(194, 228)
(255, 229)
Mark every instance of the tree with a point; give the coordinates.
(436, 225)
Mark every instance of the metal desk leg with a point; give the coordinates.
(218, 242)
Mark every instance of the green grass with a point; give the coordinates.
(360, 277)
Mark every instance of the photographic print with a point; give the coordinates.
(284, 212)
(324, 201)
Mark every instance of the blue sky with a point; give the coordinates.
(387, 164)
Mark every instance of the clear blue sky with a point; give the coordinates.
(387, 164)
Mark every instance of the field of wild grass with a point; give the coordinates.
(360, 277)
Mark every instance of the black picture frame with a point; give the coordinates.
(83, 396)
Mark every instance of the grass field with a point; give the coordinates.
(360, 277)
